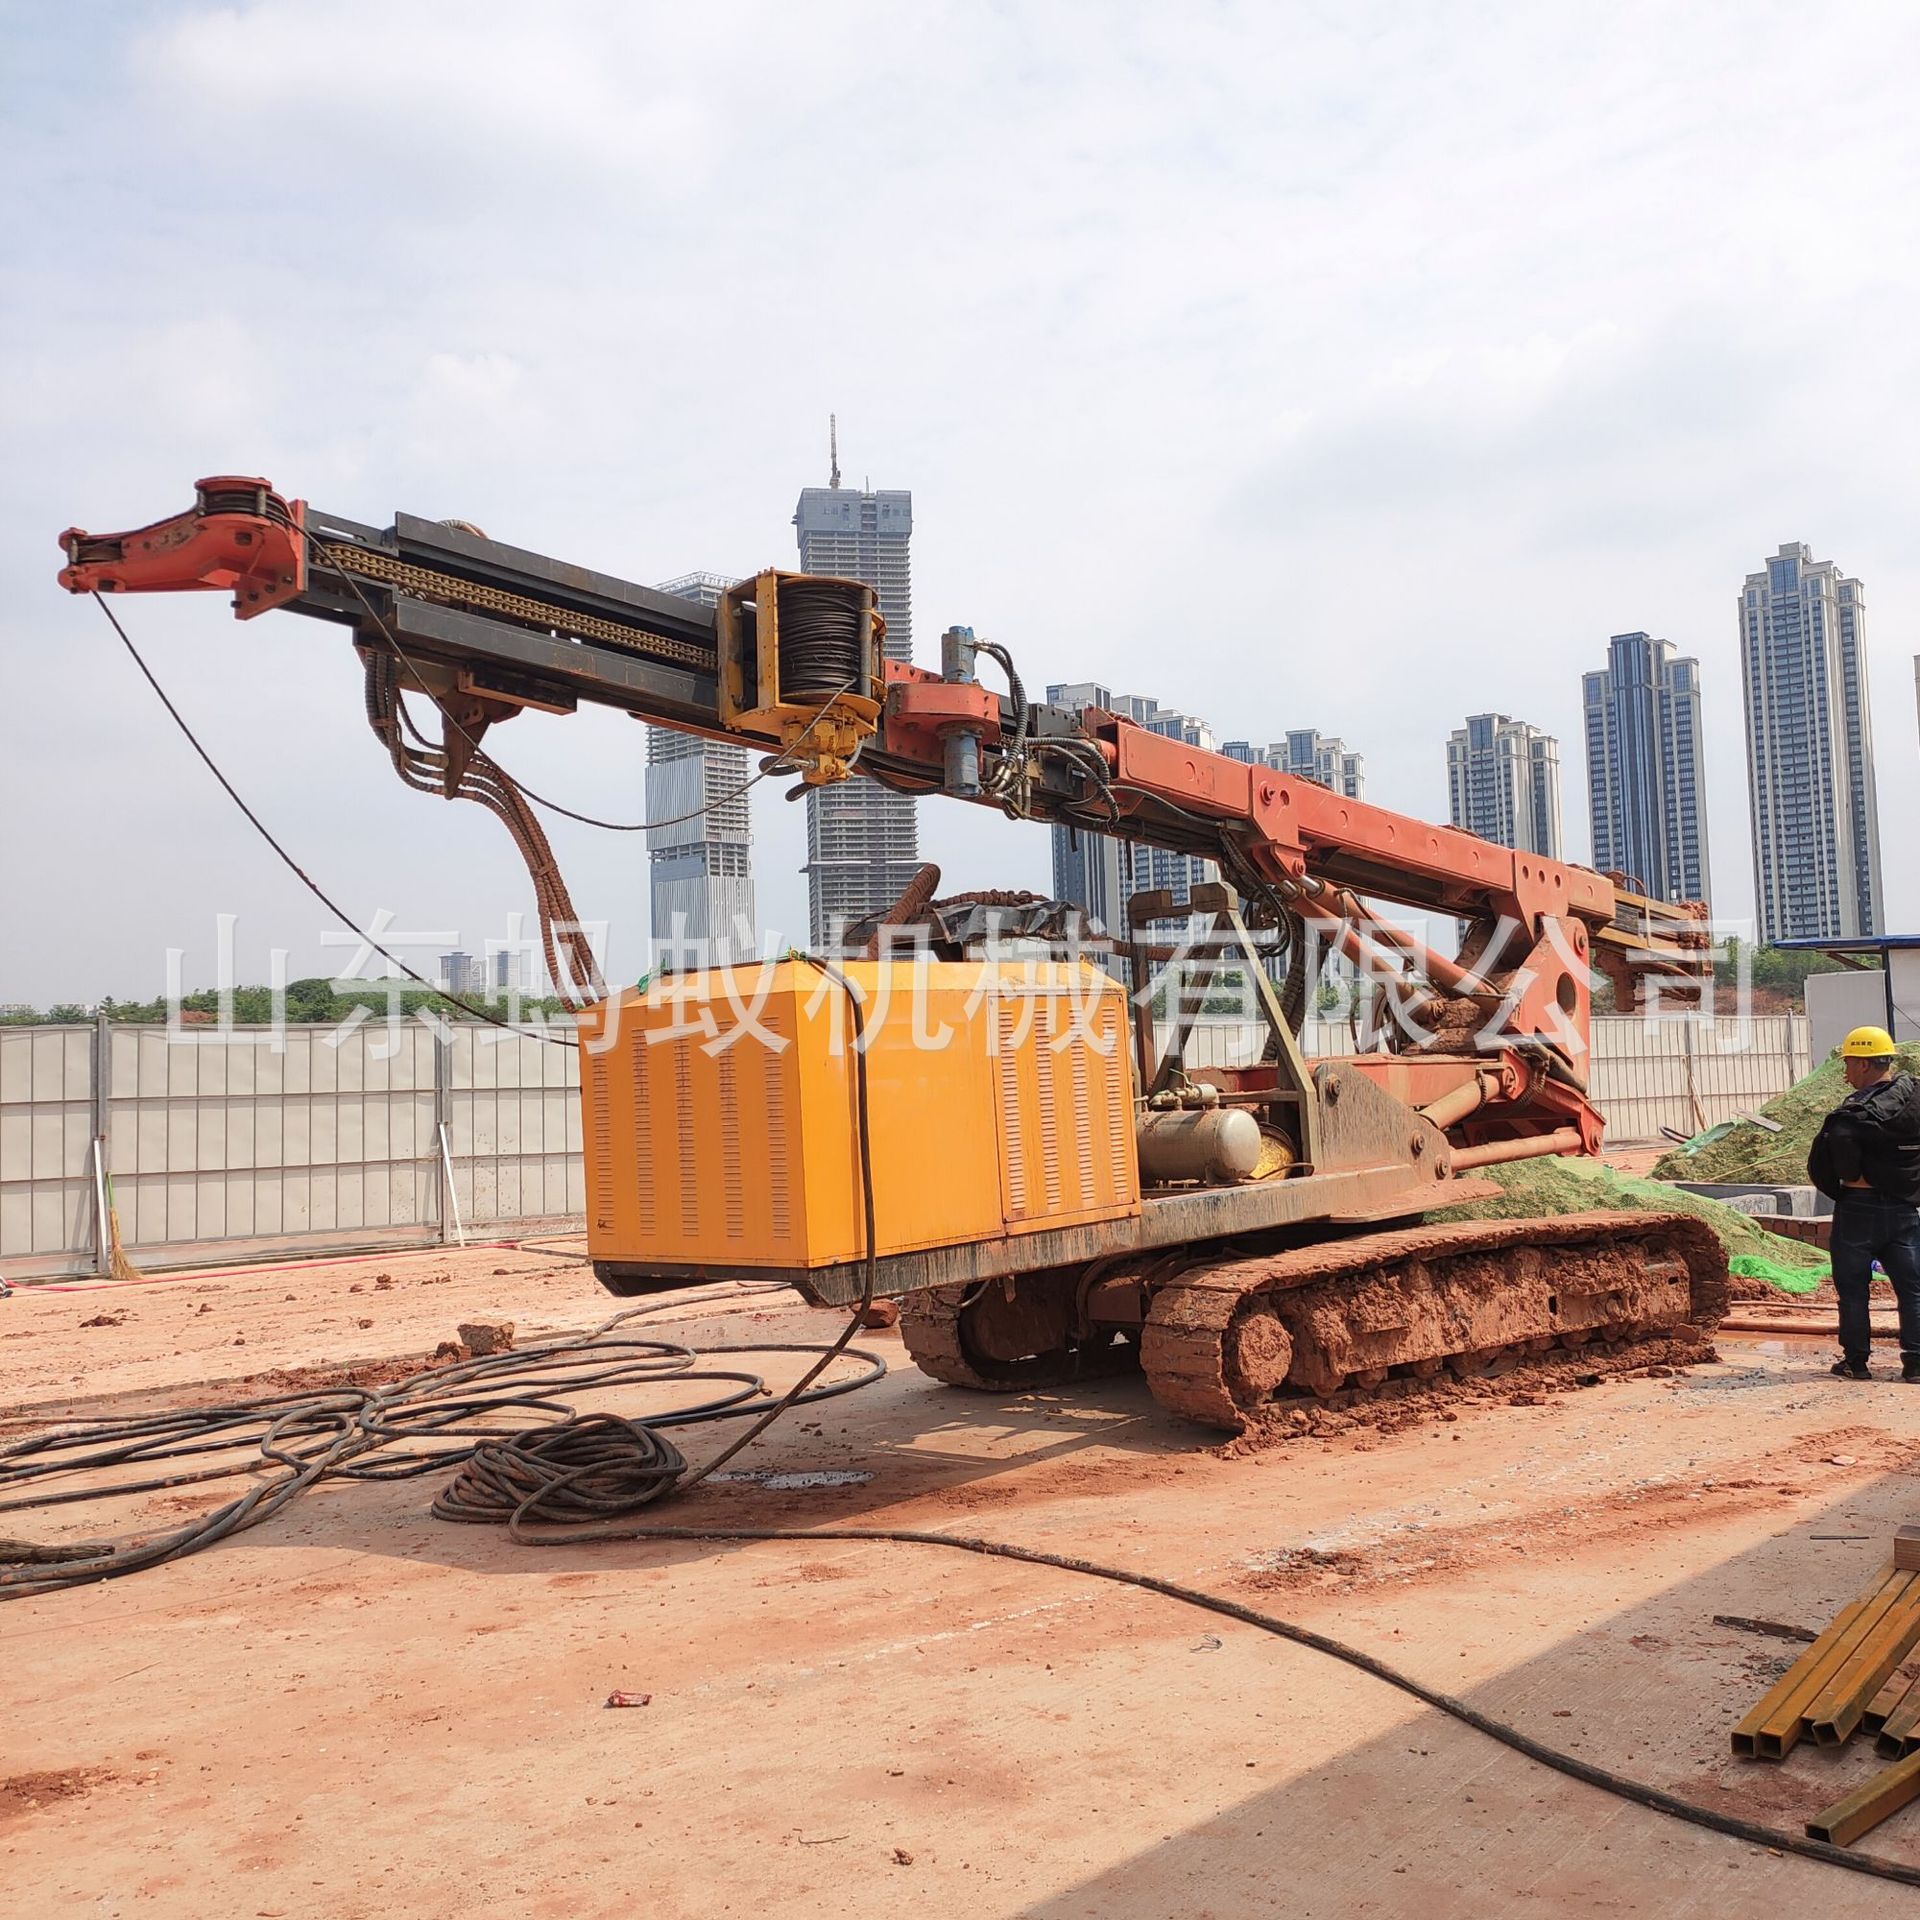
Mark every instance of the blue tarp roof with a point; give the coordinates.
(1858, 943)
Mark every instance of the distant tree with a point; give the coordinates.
(311, 1000)
(1775, 969)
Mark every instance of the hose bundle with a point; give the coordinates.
(437, 1418)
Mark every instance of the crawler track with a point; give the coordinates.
(1328, 1324)
(999, 1341)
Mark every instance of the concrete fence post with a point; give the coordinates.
(99, 1089)
(442, 1116)
(1699, 1113)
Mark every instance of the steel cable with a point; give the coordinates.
(292, 865)
(421, 1424)
(1655, 1799)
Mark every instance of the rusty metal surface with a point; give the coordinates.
(997, 1337)
(1363, 1126)
(1863, 1809)
(424, 583)
(1164, 1220)
(1459, 1294)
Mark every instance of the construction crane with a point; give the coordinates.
(1029, 1163)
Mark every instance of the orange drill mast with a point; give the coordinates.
(1492, 1040)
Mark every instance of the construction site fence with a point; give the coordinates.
(246, 1143)
(1649, 1077)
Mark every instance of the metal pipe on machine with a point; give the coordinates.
(1496, 1153)
(1467, 1098)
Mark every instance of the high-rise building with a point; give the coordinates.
(457, 974)
(1816, 818)
(1100, 874)
(699, 866)
(1307, 755)
(1503, 783)
(1090, 869)
(863, 842)
(1645, 775)
(511, 971)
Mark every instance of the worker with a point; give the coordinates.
(1866, 1159)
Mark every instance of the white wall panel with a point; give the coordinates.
(232, 1149)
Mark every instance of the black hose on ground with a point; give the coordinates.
(601, 1465)
(427, 1421)
(608, 1472)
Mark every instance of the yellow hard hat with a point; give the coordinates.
(1867, 1043)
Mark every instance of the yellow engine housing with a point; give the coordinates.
(720, 1119)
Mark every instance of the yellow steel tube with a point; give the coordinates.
(1781, 1733)
(1834, 1715)
(1817, 1657)
(1900, 1730)
(1772, 1728)
(1866, 1806)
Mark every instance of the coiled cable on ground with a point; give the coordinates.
(423, 1424)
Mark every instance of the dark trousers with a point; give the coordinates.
(1865, 1229)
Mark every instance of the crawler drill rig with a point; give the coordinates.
(1028, 1162)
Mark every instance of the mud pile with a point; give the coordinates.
(1746, 1152)
(1552, 1186)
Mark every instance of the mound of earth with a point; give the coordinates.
(1747, 1152)
(1553, 1185)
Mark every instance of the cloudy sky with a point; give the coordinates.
(1351, 366)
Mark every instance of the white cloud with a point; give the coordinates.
(1343, 367)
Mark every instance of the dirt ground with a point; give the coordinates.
(356, 1710)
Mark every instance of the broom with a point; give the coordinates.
(119, 1267)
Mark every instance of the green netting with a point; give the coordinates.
(1750, 1266)
(1552, 1185)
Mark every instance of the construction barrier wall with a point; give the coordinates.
(1681, 1075)
(221, 1146)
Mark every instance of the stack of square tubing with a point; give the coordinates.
(1845, 1680)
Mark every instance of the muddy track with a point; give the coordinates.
(1333, 1324)
(935, 1326)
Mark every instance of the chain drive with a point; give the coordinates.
(449, 590)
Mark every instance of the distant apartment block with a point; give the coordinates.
(1816, 826)
(699, 865)
(1646, 795)
(511, 971)
(1307, 755)
(458, 973)
(1503, 783)
(863, 842)
(1100, 874)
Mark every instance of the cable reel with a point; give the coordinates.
(801, 665)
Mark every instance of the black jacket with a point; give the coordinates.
(1875, 1137)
